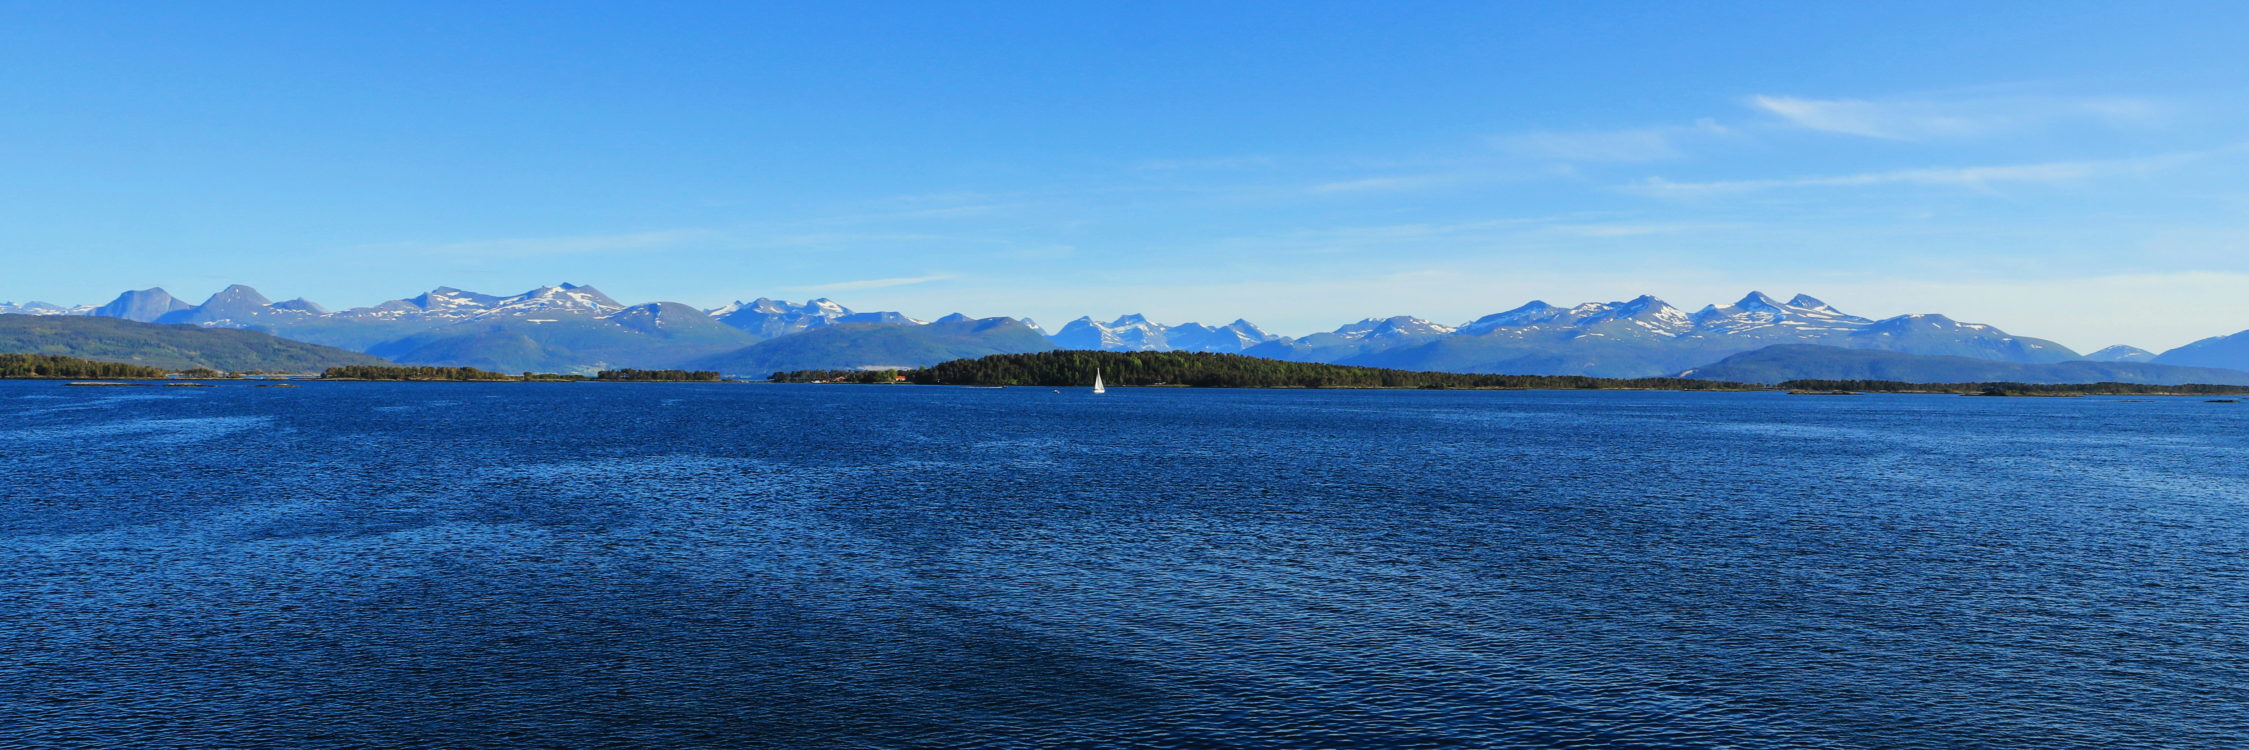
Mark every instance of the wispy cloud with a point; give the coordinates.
(845, 286)
(1383, 184)
(1629, 145)
(1923, 119)
(1979, 177)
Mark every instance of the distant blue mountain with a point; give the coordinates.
(1646, 337)
(872, 345)
(169, 347)
(2122, 354)
(2220, 351)
(569, 327)
(142, 306)
(1781, 363)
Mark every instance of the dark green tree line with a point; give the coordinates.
(410, 372)
(671, 376)
(2005, 389)
(1205, 370)
(56, 366)
(836, 376)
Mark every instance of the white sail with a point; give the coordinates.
(1097, 381)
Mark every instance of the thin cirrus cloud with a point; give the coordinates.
(1627, 145)
(1384, 184)
(845, 286)
(1979, 177)
(1916, 120)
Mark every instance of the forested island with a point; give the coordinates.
(659, 376)
(862, 377)
(414, 372)
(1207, 370)
(1074, 368)
(44, 366)
(2012, 389)
(471, 374)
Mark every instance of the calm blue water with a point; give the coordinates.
(636, 565)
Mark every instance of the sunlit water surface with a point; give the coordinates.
(718, 565)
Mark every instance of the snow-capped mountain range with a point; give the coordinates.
(1135, 333)
(569, 326)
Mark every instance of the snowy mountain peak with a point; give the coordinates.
(2121, 353)
(301, 304)
(43, 308)
(763, 305)
(1531, 312)
(768, 317)
(1648, 305)
(449, 299)
(1359, 329)
(1758, 301)
(1135, 332)
(557, 298)
(1392, 327)
(239, 294)
(1758, 311)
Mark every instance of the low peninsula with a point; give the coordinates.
(1075, 368)
(471, 374)
(1056, 369)
(59, 367)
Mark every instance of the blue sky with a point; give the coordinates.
(2067, 170)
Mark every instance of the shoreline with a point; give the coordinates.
(1766, 389)
(2215, 396)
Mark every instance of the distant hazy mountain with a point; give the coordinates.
(569, 327)
(1647, 337)
(769, 318)
(368, 327)
(1232, 337)
(2122, 354)
(870, 345)
(564, 330)
(43, 308)
(1353, 341)
(1135, 333)
(143, 306)
(1786, 362)
(171, 347)
(2219, 351)
(234, 301)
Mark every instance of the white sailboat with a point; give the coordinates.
(1097, 381)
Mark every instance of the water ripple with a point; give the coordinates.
(494, 565)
